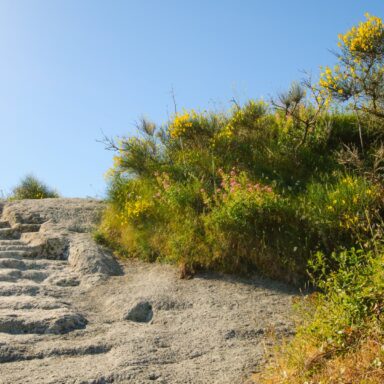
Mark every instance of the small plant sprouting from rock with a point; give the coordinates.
(32, 188)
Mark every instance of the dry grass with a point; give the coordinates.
(310, 365)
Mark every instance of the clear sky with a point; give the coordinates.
(70, 69)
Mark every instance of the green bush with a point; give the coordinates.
(339, 333)
(351, 295)
(250, 226)
(32, 188)
(240, 191)
(343, 210)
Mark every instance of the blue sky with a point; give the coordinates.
(71, 69)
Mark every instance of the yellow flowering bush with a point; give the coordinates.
(359, 76)
(137, 208)
(349, 206)
(246, 118)
(351, 200)
(181, 124)
(226, 133)
(365, 38)
(244, 122)
(195, 129)
(330, 79)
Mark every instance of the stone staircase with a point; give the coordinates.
(34, 291)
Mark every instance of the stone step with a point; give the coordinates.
(16, 275)
(12, 263)
(17, 289)
(16, 254)
(31, 302)
(19, 263)
(12, 242)
(16, 247)
(23, 228)
(36, 276)
(10, 274)
(55, 321)
(4, 224)
(29, 288)
(9, 352)
(66, 279)
(9, 255)
(9, 233)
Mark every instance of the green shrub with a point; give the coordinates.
(340, 328)
(351, 295)
(239, 191)
(252, 227)
(32, 188)
(340, 335)
(343, 210)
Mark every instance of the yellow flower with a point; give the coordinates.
(134, 209)
(364, 37)
(181, 123)
(117, 160)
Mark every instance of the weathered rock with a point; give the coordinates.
(57, 321)
(59, 229)
(87, 257)
(141, 312)
(75, 215)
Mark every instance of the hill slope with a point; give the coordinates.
(70, 313)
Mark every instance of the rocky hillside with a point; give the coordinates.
(71, 313)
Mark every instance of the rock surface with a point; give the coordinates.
(70, 313)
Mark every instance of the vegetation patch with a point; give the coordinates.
(291, 189)
(32, 188)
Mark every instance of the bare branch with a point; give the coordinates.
(109, 142)
(174, 99)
